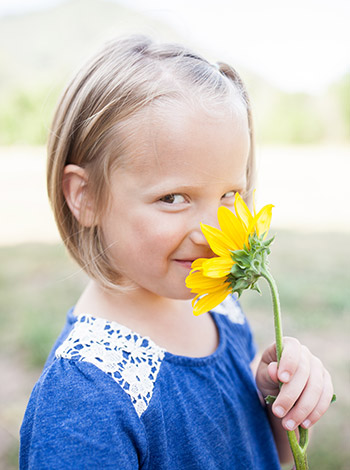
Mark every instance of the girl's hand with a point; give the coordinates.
(307, 386)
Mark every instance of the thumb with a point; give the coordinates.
(272, 371)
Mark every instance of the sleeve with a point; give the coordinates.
(79, 417)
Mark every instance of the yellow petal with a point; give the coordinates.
(251, 228)
(217, 267)
(199, 283)
(232, 227)
(242, 211)
(197, 264)
(218, 241)
(208, 302)
(264, 220)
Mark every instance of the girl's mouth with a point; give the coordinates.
(186, 263)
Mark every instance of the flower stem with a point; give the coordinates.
(276, 312)
(298, 447)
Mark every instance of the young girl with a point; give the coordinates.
(147, 142)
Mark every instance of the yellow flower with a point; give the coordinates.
(240, 242)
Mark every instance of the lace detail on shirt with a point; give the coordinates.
(131, 360)
(231, 308)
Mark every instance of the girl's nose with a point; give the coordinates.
(198, 238)
(196, 234)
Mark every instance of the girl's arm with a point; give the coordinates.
(305, 395)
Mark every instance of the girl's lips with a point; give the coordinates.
(186, 263)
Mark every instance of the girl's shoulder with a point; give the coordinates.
(125, 357)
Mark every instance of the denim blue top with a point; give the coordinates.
(109, 398)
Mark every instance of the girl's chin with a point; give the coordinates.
(184, 296)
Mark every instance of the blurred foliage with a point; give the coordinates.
(291, 119)
(39, 283)
(300, 118)
(48, 45)
(341, 93)
(33, 74)
(25, 115)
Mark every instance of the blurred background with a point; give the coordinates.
(294, 58)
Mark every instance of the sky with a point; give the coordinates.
(299, 45)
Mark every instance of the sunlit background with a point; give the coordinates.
(294, 58)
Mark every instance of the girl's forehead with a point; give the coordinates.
(172, 135)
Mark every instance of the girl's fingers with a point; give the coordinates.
(268, 376)
(290, 359)
(311, 395)
(272, 369)
(323, 403)
(291, 391)
(307, 387)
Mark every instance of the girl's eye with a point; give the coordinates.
(229, 194)
(173, 199)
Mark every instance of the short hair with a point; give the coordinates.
(127, 75)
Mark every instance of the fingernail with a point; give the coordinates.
(279, 411)
(306, 423)
(284, 377)
(290, 424)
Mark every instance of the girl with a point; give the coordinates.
(147, 142)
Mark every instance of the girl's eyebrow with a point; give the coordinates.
(170, 188)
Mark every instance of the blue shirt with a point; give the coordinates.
(109, 398)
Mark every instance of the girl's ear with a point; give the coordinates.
(74, 187)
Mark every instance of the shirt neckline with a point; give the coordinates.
(168, 356)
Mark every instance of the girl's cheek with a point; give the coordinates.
(160, 226)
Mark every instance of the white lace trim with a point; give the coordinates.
(230, 307)
(131, 360)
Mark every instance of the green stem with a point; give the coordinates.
(298, 448)
(276, 312)
(299, 453)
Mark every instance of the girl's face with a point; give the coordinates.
(180, 168)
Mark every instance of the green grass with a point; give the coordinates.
(39, 283)
(313, 277)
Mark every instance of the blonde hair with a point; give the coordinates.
(123, 78)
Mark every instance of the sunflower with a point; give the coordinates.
(241, 251)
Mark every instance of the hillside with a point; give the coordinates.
(40, 51)
(51, 42)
